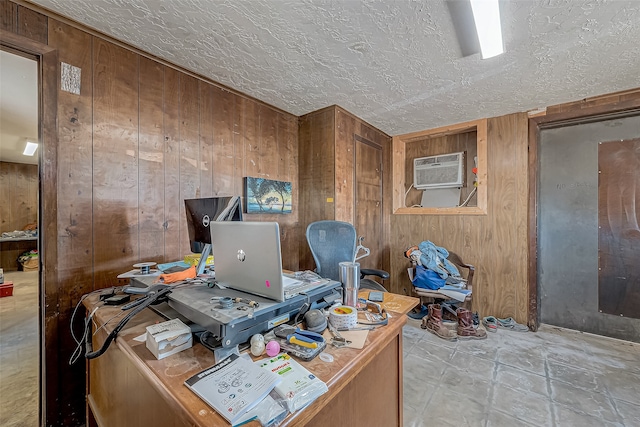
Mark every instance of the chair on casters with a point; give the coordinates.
(333, 242)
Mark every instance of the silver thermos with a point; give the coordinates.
(350, 279)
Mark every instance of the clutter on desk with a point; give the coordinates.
(194, 259)
(298, 387)
(167, 338)
(294, 342)
(168, 278)
(224, 387)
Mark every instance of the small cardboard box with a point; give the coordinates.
(167, 338)
(6, 289)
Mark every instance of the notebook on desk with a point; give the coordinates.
(247, 258)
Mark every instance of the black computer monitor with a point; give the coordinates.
(200, 212)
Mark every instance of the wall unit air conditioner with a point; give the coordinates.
(442, 171)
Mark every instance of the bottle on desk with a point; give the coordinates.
(350, 278)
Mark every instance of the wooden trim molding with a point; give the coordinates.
(398, 168)
(48, 224)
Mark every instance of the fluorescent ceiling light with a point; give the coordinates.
(30, 149)
(486, 14)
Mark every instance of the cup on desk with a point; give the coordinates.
(350, 279)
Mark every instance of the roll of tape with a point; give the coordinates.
(343, 316)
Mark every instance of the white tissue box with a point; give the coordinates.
(167, 338)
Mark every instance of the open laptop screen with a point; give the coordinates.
(247, 257)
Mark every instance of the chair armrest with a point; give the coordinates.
(373, 272)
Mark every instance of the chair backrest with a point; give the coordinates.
(331, 242)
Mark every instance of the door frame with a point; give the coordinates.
(577, 115)
(358, 139)
(47, 58)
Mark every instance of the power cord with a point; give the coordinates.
(152, 299)
(79, 342)
(468, 197)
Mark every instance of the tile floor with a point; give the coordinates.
(554, 377)
(19, 351)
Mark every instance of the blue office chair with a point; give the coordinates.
(332, 242)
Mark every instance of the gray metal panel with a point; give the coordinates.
(568, 227)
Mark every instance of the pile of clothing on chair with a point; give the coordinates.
(433, 270)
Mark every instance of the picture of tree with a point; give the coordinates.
(267, 196)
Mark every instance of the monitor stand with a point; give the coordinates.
(206, 251)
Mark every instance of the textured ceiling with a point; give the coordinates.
(395, 64)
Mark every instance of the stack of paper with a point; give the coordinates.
(234, 387)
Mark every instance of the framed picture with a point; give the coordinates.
(267, 196)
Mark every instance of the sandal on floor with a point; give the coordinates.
(490, 323)
(509, 323)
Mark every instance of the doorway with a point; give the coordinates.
(20, 334)
(571, 250)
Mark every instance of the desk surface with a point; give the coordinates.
(167, 376)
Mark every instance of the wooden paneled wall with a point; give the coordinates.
(18, 195)
(495, 243)
(327, 173)
(141, 137)
(18, 207)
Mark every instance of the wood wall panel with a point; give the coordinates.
(8, 16)
(206, 140)
(496, 243)
(118, 204)
(19, 207)
(245, 122)
(115, 161)
(150, 162)
(223, 142)
(172, 202)
(189, 151)
(19, 195)
(595, 101)
(327, 175)
(292, 235)
(75, 165)
(316, 138)
(32, 25)
(345, 166)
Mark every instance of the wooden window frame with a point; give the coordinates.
(399, 162)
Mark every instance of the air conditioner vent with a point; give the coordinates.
(442, 171)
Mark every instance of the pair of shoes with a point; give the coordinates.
(510, 323)
(491, 323)
(465, 329)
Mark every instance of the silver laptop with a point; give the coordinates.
(247, 257)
